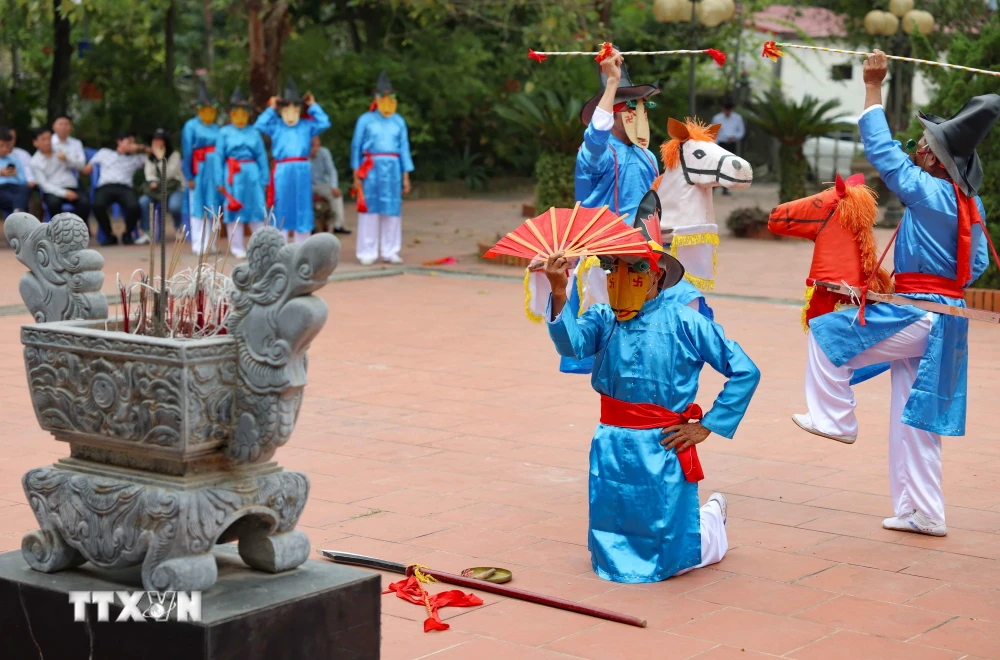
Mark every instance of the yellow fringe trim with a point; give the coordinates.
(705, 238)
(805, 308)
(421, 576)
(581, 271)
(534, 318)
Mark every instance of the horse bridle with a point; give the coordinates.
(717, 172)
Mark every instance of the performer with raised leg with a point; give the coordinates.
(291, 130)
(242, 173)
(645, 522)
(199, 163)
(940, 250)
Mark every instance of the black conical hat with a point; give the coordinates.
(291, 92)
(383, 85)
(954, 140)
(647, 220)
(203, 98)
(627, 91)
(238, 99)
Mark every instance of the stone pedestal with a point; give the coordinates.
(319, 611)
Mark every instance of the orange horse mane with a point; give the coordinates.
(856, 212)
(670, 152)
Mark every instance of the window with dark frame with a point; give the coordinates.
(842, 72)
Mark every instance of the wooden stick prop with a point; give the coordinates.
(482, 585)
(772, 51)
(606, 48)
(938, 308)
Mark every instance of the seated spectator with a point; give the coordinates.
(56, 177)
(114, 185)
(14, 190)
(65, 145)
(325, 183)
(25, 159)
(160, 148)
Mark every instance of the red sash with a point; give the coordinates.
(198, 157)
(615, 412)
(274, 166)
(233, 167)
(369, 162)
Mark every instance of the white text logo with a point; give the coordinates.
(138, 605)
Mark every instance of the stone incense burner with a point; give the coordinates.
(170, 439)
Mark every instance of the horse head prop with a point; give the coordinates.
(839, 221)
(693, 164)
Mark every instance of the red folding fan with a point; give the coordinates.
(577, 232)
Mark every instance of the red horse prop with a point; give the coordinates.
(839, 221)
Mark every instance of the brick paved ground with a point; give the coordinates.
(436, 429)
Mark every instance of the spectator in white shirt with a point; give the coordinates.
(56, 178)
(114, 185)
(65, 146)
(732, 132)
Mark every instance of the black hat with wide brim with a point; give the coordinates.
(647, 220)
(954, 140)
(626, 92)
(238, 99)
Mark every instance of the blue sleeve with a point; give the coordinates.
(910, 183)
(320, 121)
(579, 337)
(594, 157)
(358, 140)
(187, 149)
(404, 146)
(260, 153)
(726, 357)
(266, 121)
(981, 258)
(220, 173)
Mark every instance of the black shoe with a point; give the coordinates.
(109, 240)
(341, 230)
(127, 239)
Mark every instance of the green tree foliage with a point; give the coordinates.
(791, 123)
(953, 89)
(554, 176)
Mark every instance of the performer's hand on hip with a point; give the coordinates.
(875, 68)
(612, 68)
(406, 183)
(684, 436)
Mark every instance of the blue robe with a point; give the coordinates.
(376, 134)
(196, 135)
(927, 243)
(293, 209)
(243, 144)
(597, 178)
(644, 519)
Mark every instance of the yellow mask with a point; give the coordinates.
(239, 116)
(386, 105)
(207, 114)
(627, 291)
(637, 124)
(291, 113)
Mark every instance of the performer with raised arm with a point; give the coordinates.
(380, 158)
(940, 250)
(292, 130)
(242, 173)
(645, 522)
(198, 162)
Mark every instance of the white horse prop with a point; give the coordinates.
(693, 164)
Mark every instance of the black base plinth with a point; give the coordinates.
(318, 611)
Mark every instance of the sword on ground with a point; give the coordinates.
(482, 585)
(855, 294)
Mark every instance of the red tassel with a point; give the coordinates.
(717, 55)
(412, 591)
(538, 57)
(362, 204)
(605, 52)
(771, 51)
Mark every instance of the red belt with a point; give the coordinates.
(922, 283)
(369, 163)
(622, 414)
(198, 157)
(274, 166)
(233, 166)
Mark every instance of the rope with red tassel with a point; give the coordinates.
(606, 50)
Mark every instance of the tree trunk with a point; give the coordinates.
(604, 12)
(792, 172)
(209, 45)
(168, 45)
(59, 82)
(268, 22)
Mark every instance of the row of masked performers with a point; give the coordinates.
(643, 330)
(228, 168)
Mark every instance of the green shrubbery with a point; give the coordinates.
(554, 181)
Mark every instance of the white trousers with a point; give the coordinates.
(379, 233)
(914, 454)
(714, 542)
(237, 243)
(201, 235)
